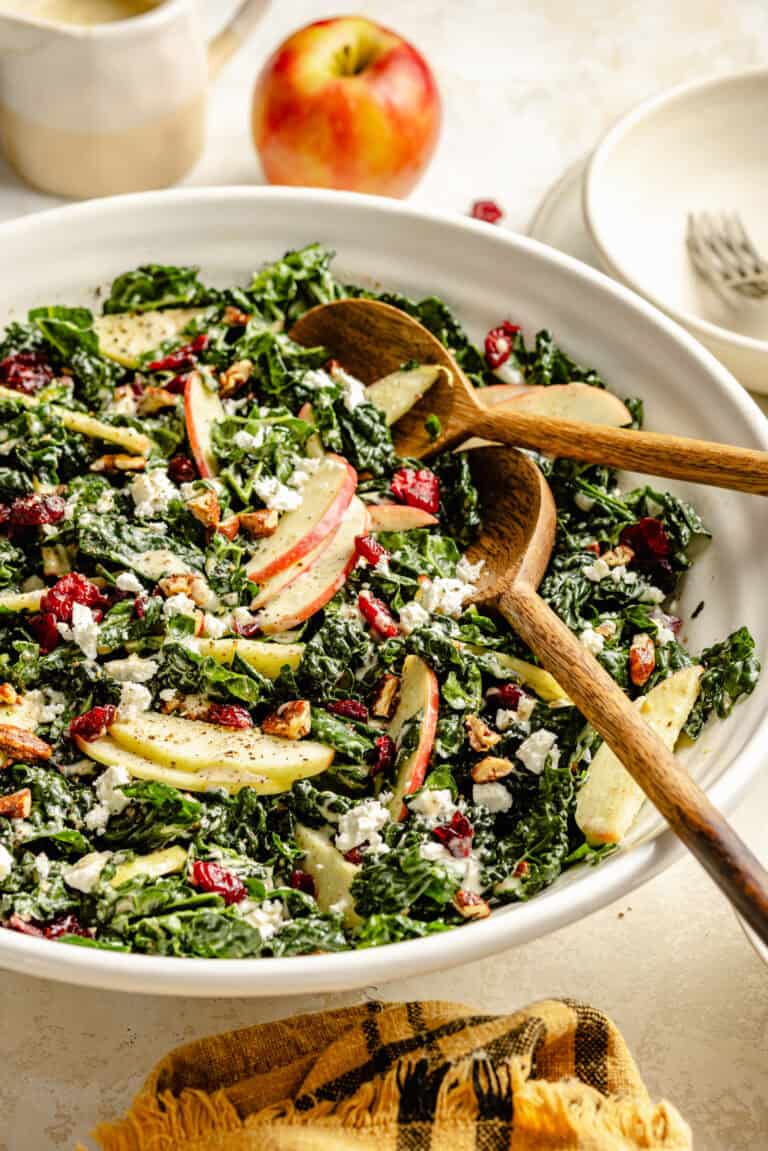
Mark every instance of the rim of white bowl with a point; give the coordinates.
(594, 172)
(510, 926)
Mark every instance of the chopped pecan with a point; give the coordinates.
(480, 736)
(619, 555)
(186, 583)
(18, 744)
(191, 706)
(385, 700)
(9, 694)
(199, 618)
(642, 658)
(292, 720)
(118, 463)
(205, 508)
(16, 806)
(231, 380)
(607, 629)
(261, 523)
(155, 400)
(229, 527)
(234, 317)
(491, 768)
(471, 906)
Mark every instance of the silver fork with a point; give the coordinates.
(723, 254)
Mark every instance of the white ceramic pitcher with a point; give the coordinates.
(94, 109)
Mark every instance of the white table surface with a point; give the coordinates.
(528, 87)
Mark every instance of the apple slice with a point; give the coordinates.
(609, 799)
(419, 703)
(126, 336)
(314, 445)
(326, 498)
(398, 392)
(280, 580)
(502, 393)
(267, 658)
(168, 861)
(332, 873)
(195, 746)
(135, 443)
(314, 587)
(568, 402)
(398, 518)
(21, 600)
(230, 779)
(202, 409)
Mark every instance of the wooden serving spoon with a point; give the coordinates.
(371, 339)
(519, 518)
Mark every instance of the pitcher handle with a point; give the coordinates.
(232, 35)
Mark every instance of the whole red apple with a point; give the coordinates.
(345, 103)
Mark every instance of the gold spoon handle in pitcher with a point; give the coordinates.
(688, 810)
(654, 453)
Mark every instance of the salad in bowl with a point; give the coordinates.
(247, 706)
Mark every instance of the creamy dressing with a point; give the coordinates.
(81, 12)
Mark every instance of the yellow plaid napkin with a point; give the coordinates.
(556, 1076)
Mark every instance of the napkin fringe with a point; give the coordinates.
(166, 1122)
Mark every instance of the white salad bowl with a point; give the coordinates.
(486, 274)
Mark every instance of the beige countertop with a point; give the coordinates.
(528, 87)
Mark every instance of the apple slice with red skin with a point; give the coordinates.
(398, 518)
(202, 408)
(502, 393)
(313, 588)
(280, 580)
(326, 498)
(419, 703)
(563, 402)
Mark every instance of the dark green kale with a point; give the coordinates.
(403, 881)
(286, 288)
(157, 816)
(156, 286)
(460, 512)
(378, 930)
(546, 363)
(339, 647)
(312, 935)
(354, 741)
(539, 838)
(185, 670)
(70, 335)
(731, 670)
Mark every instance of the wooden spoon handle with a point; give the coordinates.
(655, 453)
(697, 822)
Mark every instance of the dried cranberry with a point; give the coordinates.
(94, 723)
(213, 877)
(140, 606)
(137, 387)
(499, 343)
(176, 386)
(348, 709)
(456, 836)
(486, 210)
(32, 511)
(183, 359)
(69, 590)
(302, 881)
(246, 630)
(370, 549)
(26, 372)
(651, 545)
(16, 923)
(229, 715)
(67, 925)
(378, 615)
(5, 513)
(417, 488)
(43, 628)
(522, 868)
(385, 754)
(182, 470)
(508, 695)
(354, 855)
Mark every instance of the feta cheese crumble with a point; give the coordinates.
(215, 627)
(445, 595)
(180, 604)
(363, 824)
(133, 668)
(127, 581)
(434, 805)
(6, 862)
(134, 699)
(592, 640)
(83, 631)
(84, 875)
(494, 796)
(583, 502)
(412, 615)
(111, 801)
(596, 571)
(534, 751)
(276, 495)
(268, 917)
(352, 390)
(152, 492)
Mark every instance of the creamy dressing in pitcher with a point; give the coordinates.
(78, 11)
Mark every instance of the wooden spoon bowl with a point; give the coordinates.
(371, 339)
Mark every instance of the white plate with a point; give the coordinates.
(698, 147)
(559, 219)
(486, 274)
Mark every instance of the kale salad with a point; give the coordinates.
(247, 707)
